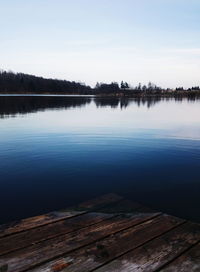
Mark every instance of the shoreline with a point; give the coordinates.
(112, 95)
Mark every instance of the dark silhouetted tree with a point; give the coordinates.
(20, 83)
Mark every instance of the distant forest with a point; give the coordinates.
(23, 83)
(20, 83)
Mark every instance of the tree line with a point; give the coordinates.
(23, 83)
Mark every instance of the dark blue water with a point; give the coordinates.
(58, 151)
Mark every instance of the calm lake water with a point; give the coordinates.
(58, 151)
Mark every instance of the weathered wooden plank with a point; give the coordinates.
(36, 221)
(126, 206)
(35, 235)
(91, 257)
(99, 202)
(34, 255)
(154, 254)
(32, 222)
(146, 209)
(123, 206)
(187, 262)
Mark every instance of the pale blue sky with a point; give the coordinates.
(103, 40)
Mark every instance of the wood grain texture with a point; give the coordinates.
(36, 235)
(126, 206)
(99, 202)
(101, 252)
(187, 262)
(154, 254)
(44, 232)
(106, 234)
(33, 222)
(34, 255)
(36, 221)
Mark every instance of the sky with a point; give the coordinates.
(103, 40)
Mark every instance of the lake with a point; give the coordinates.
(56, 151)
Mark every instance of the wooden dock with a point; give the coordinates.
(102, 235)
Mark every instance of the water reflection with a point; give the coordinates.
(68, 149)
(14, 105)
(139, 101)
(10, 106)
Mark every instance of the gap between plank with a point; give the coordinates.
(182, 223)
(179, 255)
(90, 243)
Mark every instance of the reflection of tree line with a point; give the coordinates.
(139, 101)
(13, 105)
